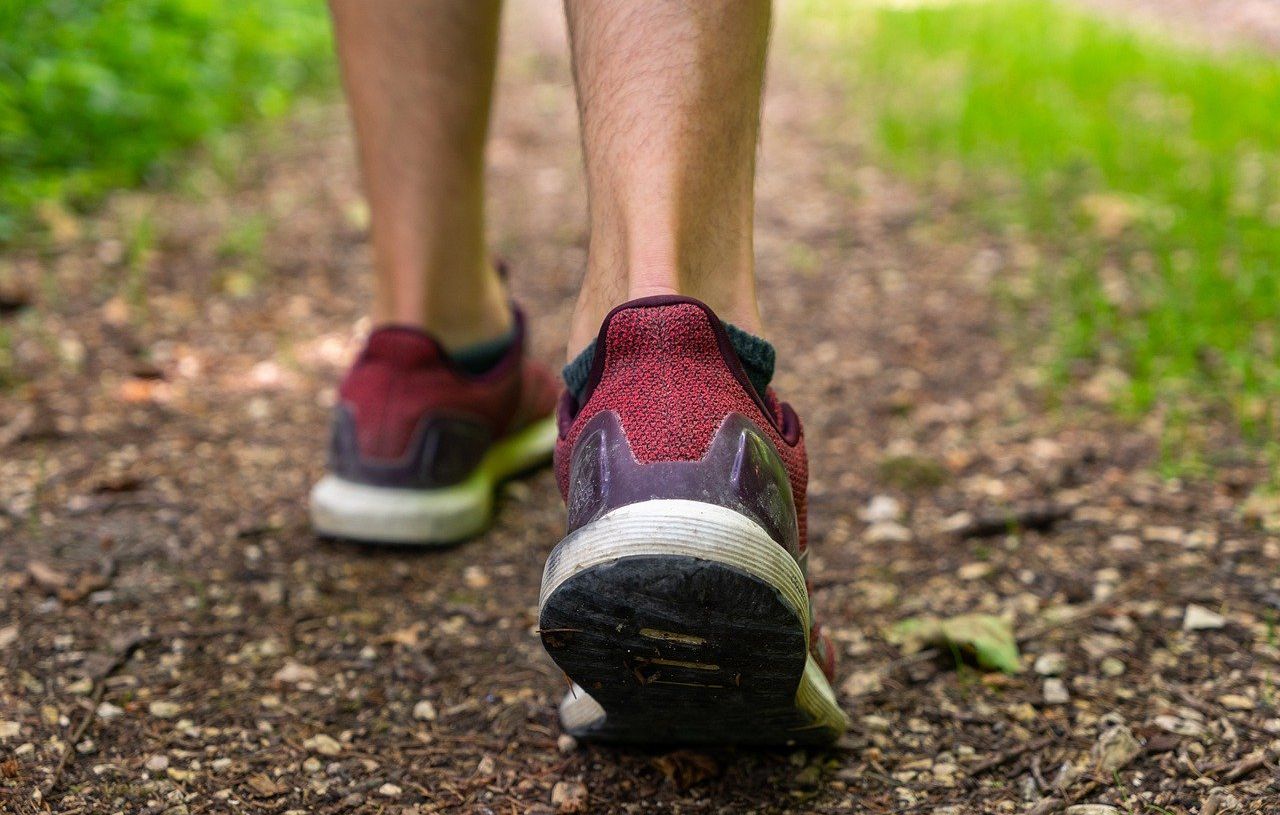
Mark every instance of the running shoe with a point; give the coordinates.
(678, 602)
(419, 446)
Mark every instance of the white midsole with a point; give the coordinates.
(427, 516)
(700, 530)
(674, 526)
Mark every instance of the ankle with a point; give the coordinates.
(468, 322)
(473, 309)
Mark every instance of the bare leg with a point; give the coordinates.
(669, 98)
(419, 79)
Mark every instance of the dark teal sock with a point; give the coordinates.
(756, 354)
(480, 357)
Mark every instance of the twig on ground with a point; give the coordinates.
(95, 698)
(1005, 757)
(1235, 770)
(1216, 711)
(16, 427)
(118, 660)
(1038, 517)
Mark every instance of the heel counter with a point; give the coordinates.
(666, 367)
(740, 470)
(441, 452)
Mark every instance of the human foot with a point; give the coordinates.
(678, 602)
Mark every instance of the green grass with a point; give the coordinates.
(1148, 173)
(97, 95)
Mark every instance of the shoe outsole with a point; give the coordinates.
(428, 517)
(682, 622)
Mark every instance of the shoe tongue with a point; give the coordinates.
(402, 345)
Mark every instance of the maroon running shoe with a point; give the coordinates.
(678, 601)
(418, 445)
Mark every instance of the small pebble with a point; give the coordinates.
(882, 508)
(887, 532)
(1055, 692)
(157, 763)
(424, 711)
(322, 744)
(389, 791)
(569, 797)
(1163, 534)
(1051, 664)
(1199, 618)
(1236, 701)
(293, 673)
(164, 710)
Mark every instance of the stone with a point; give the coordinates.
(974, 571)
(293, 673)
(323, 744)
(1115, 748)
(882, 508)
(1051, 664)
(424, 711)
(861, 683)
(164, 710)
(1125, 543)
(1163, 534)
(1199, 618)
(390, 790)
(1179, 726)
(887, 532)
(1236, 701)
(569, 797)
(566, 744)
(1055, 692)
(1112, 667)
(157, 763)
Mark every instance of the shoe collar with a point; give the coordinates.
(783, 420)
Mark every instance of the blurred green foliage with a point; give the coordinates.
(100, 94)
(1146, 174)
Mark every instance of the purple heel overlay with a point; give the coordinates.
(442, 452)
(740, 471)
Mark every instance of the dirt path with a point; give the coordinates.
(157, 565)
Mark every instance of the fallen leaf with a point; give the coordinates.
(264, 786)
(293, 672)
(47, 577)
(987, 638)
(684, 768)
(569, 797)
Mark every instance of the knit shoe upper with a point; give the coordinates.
(668, 412)
(409, 417)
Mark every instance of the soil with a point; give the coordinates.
(174, 639)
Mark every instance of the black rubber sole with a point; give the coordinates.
(676, 649)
